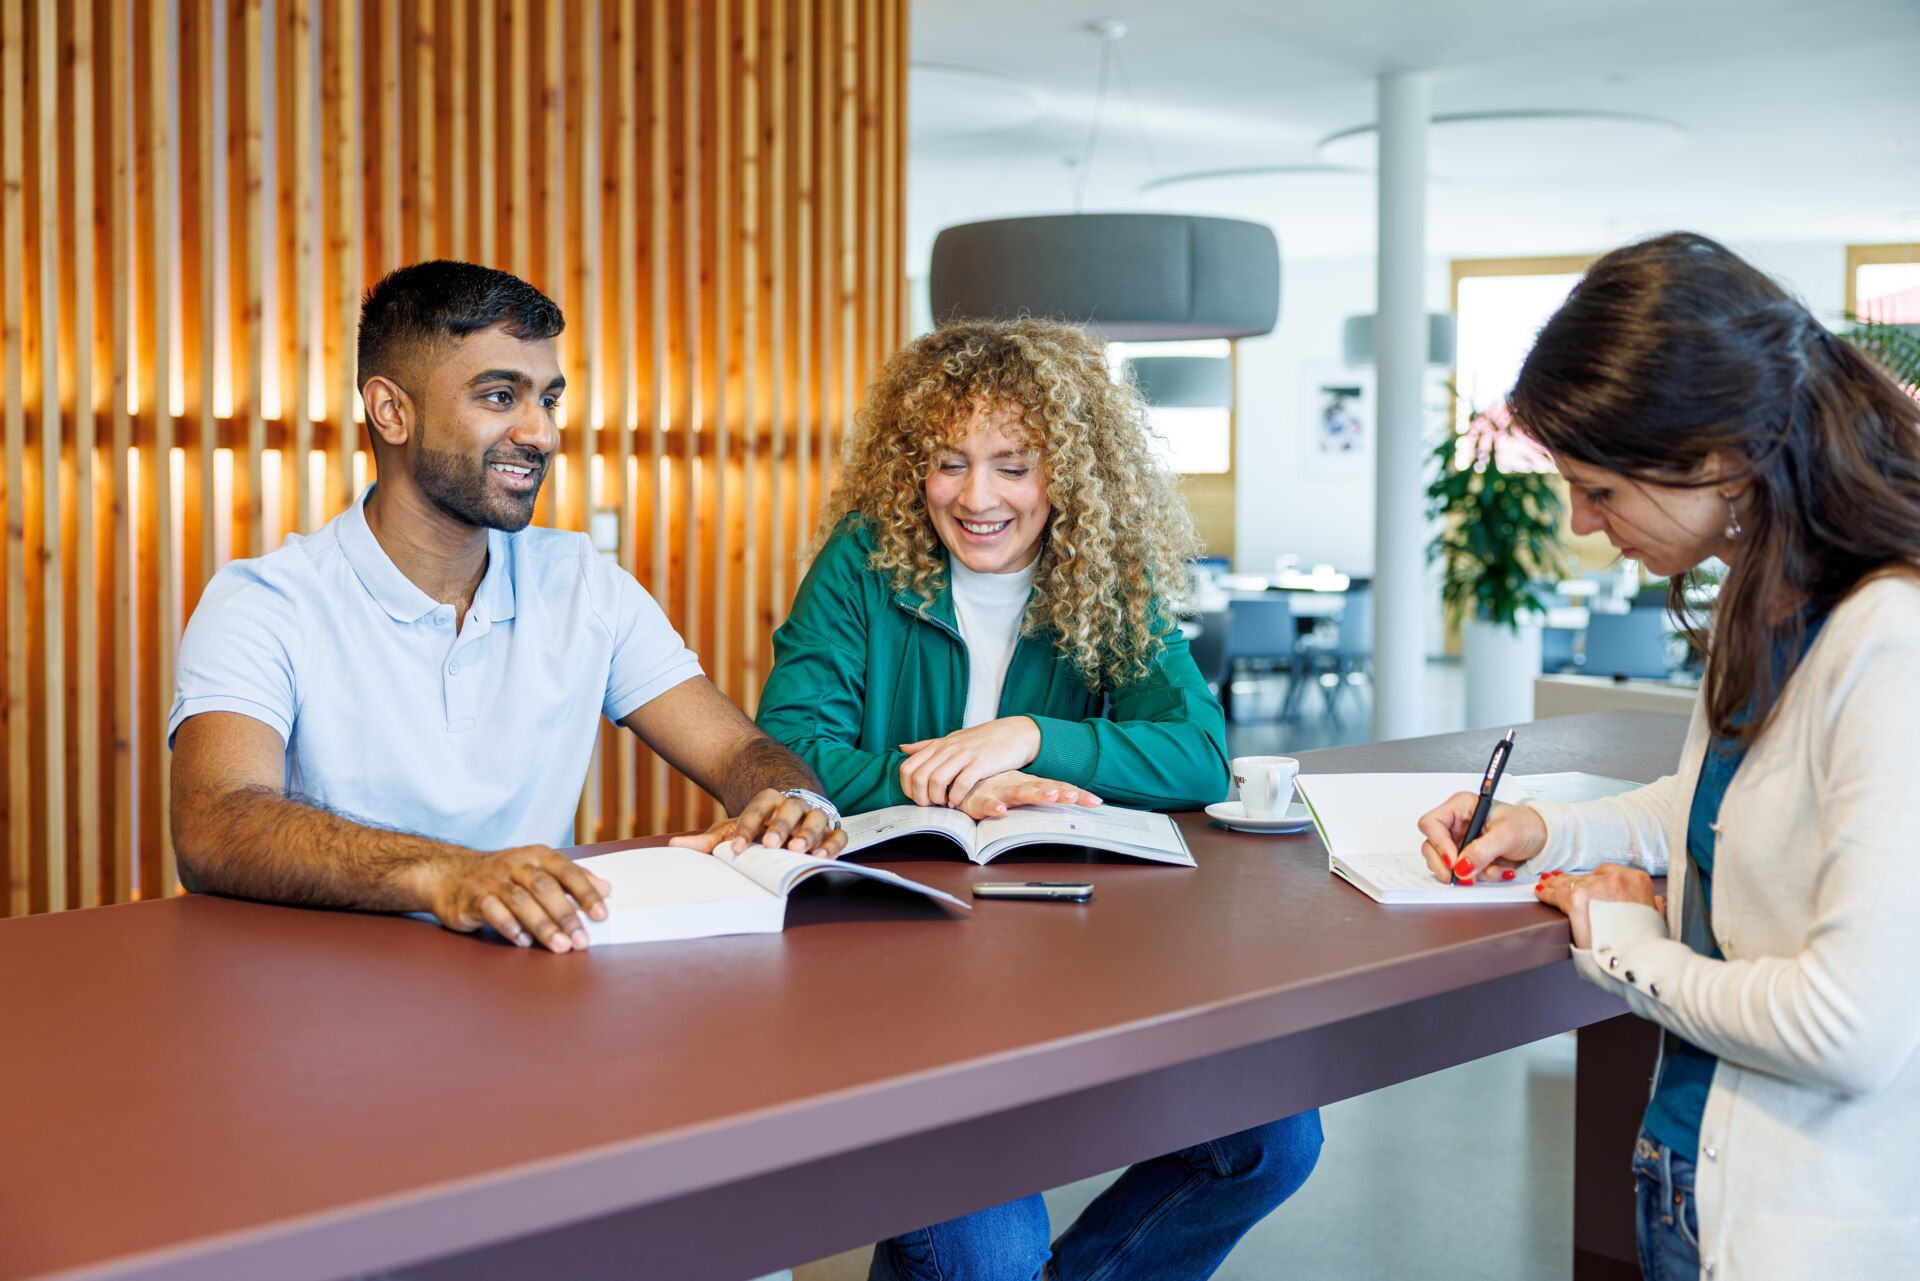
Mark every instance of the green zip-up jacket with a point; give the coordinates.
(858, 670)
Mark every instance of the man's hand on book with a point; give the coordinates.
(944, 771)
(993, 797)
(775, 820)
(527, 893)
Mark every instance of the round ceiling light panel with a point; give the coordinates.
(960, 102)
(1520, 142)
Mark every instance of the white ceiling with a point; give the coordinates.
(1801, 117)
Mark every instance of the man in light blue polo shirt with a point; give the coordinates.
(396, 712)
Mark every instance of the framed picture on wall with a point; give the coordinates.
(1336, 419)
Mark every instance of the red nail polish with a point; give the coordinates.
(1507, 875)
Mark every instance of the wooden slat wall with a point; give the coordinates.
(193, 197)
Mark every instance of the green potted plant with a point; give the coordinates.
(1499, 517)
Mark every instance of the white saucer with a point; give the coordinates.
(1234, 815)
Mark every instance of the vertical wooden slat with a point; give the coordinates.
(807, 184)
(623, 429)
(248, 223)
(296, 117)
(344, 267)
(154, 531)
(423, 226)
(780, 390)
(197, 250)
(659, 477)
(70, 271)
(117, 661)
(450, 127)
(12, 337)
(80, 517)
(746, 349)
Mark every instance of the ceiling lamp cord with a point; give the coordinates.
(1109, 31)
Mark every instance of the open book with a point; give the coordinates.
(1369, 824)
(1135, 833)
(669, 893)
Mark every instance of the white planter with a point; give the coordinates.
(1501, 665)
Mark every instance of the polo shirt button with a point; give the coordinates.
(453, 669)
(440, 619)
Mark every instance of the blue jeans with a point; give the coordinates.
(1667, 1224)
(1174, 1217)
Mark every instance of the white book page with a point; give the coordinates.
(778, 871)
(1380, 813)
(1137, 832)
(867, 830)
(1572, 787)
(667, 874)
(667, 893)
(1406, 878)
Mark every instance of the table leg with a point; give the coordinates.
(1614, 1067)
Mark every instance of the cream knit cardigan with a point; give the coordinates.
(1809, 1161)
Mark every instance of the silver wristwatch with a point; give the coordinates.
(816, 801)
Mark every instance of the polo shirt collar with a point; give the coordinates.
(398, 594)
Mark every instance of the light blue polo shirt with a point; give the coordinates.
(480, 738)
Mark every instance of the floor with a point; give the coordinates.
(1464, 1175)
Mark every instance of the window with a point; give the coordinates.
(1193, 440)
(1499, 305)
(1883, 283)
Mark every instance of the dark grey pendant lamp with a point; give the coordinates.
(1130, 277)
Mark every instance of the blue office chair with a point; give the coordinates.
(1209, 650)
(1262, 631)
(1633, 644)
(1350, 652)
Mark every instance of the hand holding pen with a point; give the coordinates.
(1470, 835)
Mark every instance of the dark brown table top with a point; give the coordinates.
(184, 1077)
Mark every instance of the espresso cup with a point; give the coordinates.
(1265, 783)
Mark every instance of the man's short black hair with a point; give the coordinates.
(429, 303)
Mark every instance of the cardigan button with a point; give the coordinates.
(1628, 976)
(1713, 1154)
(1613, 962)
(1653, 990)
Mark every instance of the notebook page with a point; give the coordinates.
(1406, 878)
(1380, 813)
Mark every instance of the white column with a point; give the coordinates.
(1400, 353)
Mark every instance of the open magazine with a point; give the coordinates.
(1135, 833)
(663, 893)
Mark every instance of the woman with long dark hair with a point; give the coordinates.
(1699, 412)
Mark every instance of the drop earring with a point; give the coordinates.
(1734, 528)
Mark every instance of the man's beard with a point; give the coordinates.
(464, 489)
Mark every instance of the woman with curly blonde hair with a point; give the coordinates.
(987, 624)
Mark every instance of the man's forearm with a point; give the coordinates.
(763, 763)
(263, 844)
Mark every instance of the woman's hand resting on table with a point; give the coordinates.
(1608, 883)
(993, 797)
(1512, 835)
(942, 771)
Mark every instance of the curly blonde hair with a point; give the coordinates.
(1112, 563)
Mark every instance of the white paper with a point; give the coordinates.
(1380, 813)
(1572, 787)
(1141, 832)
(1406, 878)
(875, 826)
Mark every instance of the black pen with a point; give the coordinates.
(1496, 765)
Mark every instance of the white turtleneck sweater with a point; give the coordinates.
(989, 608)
